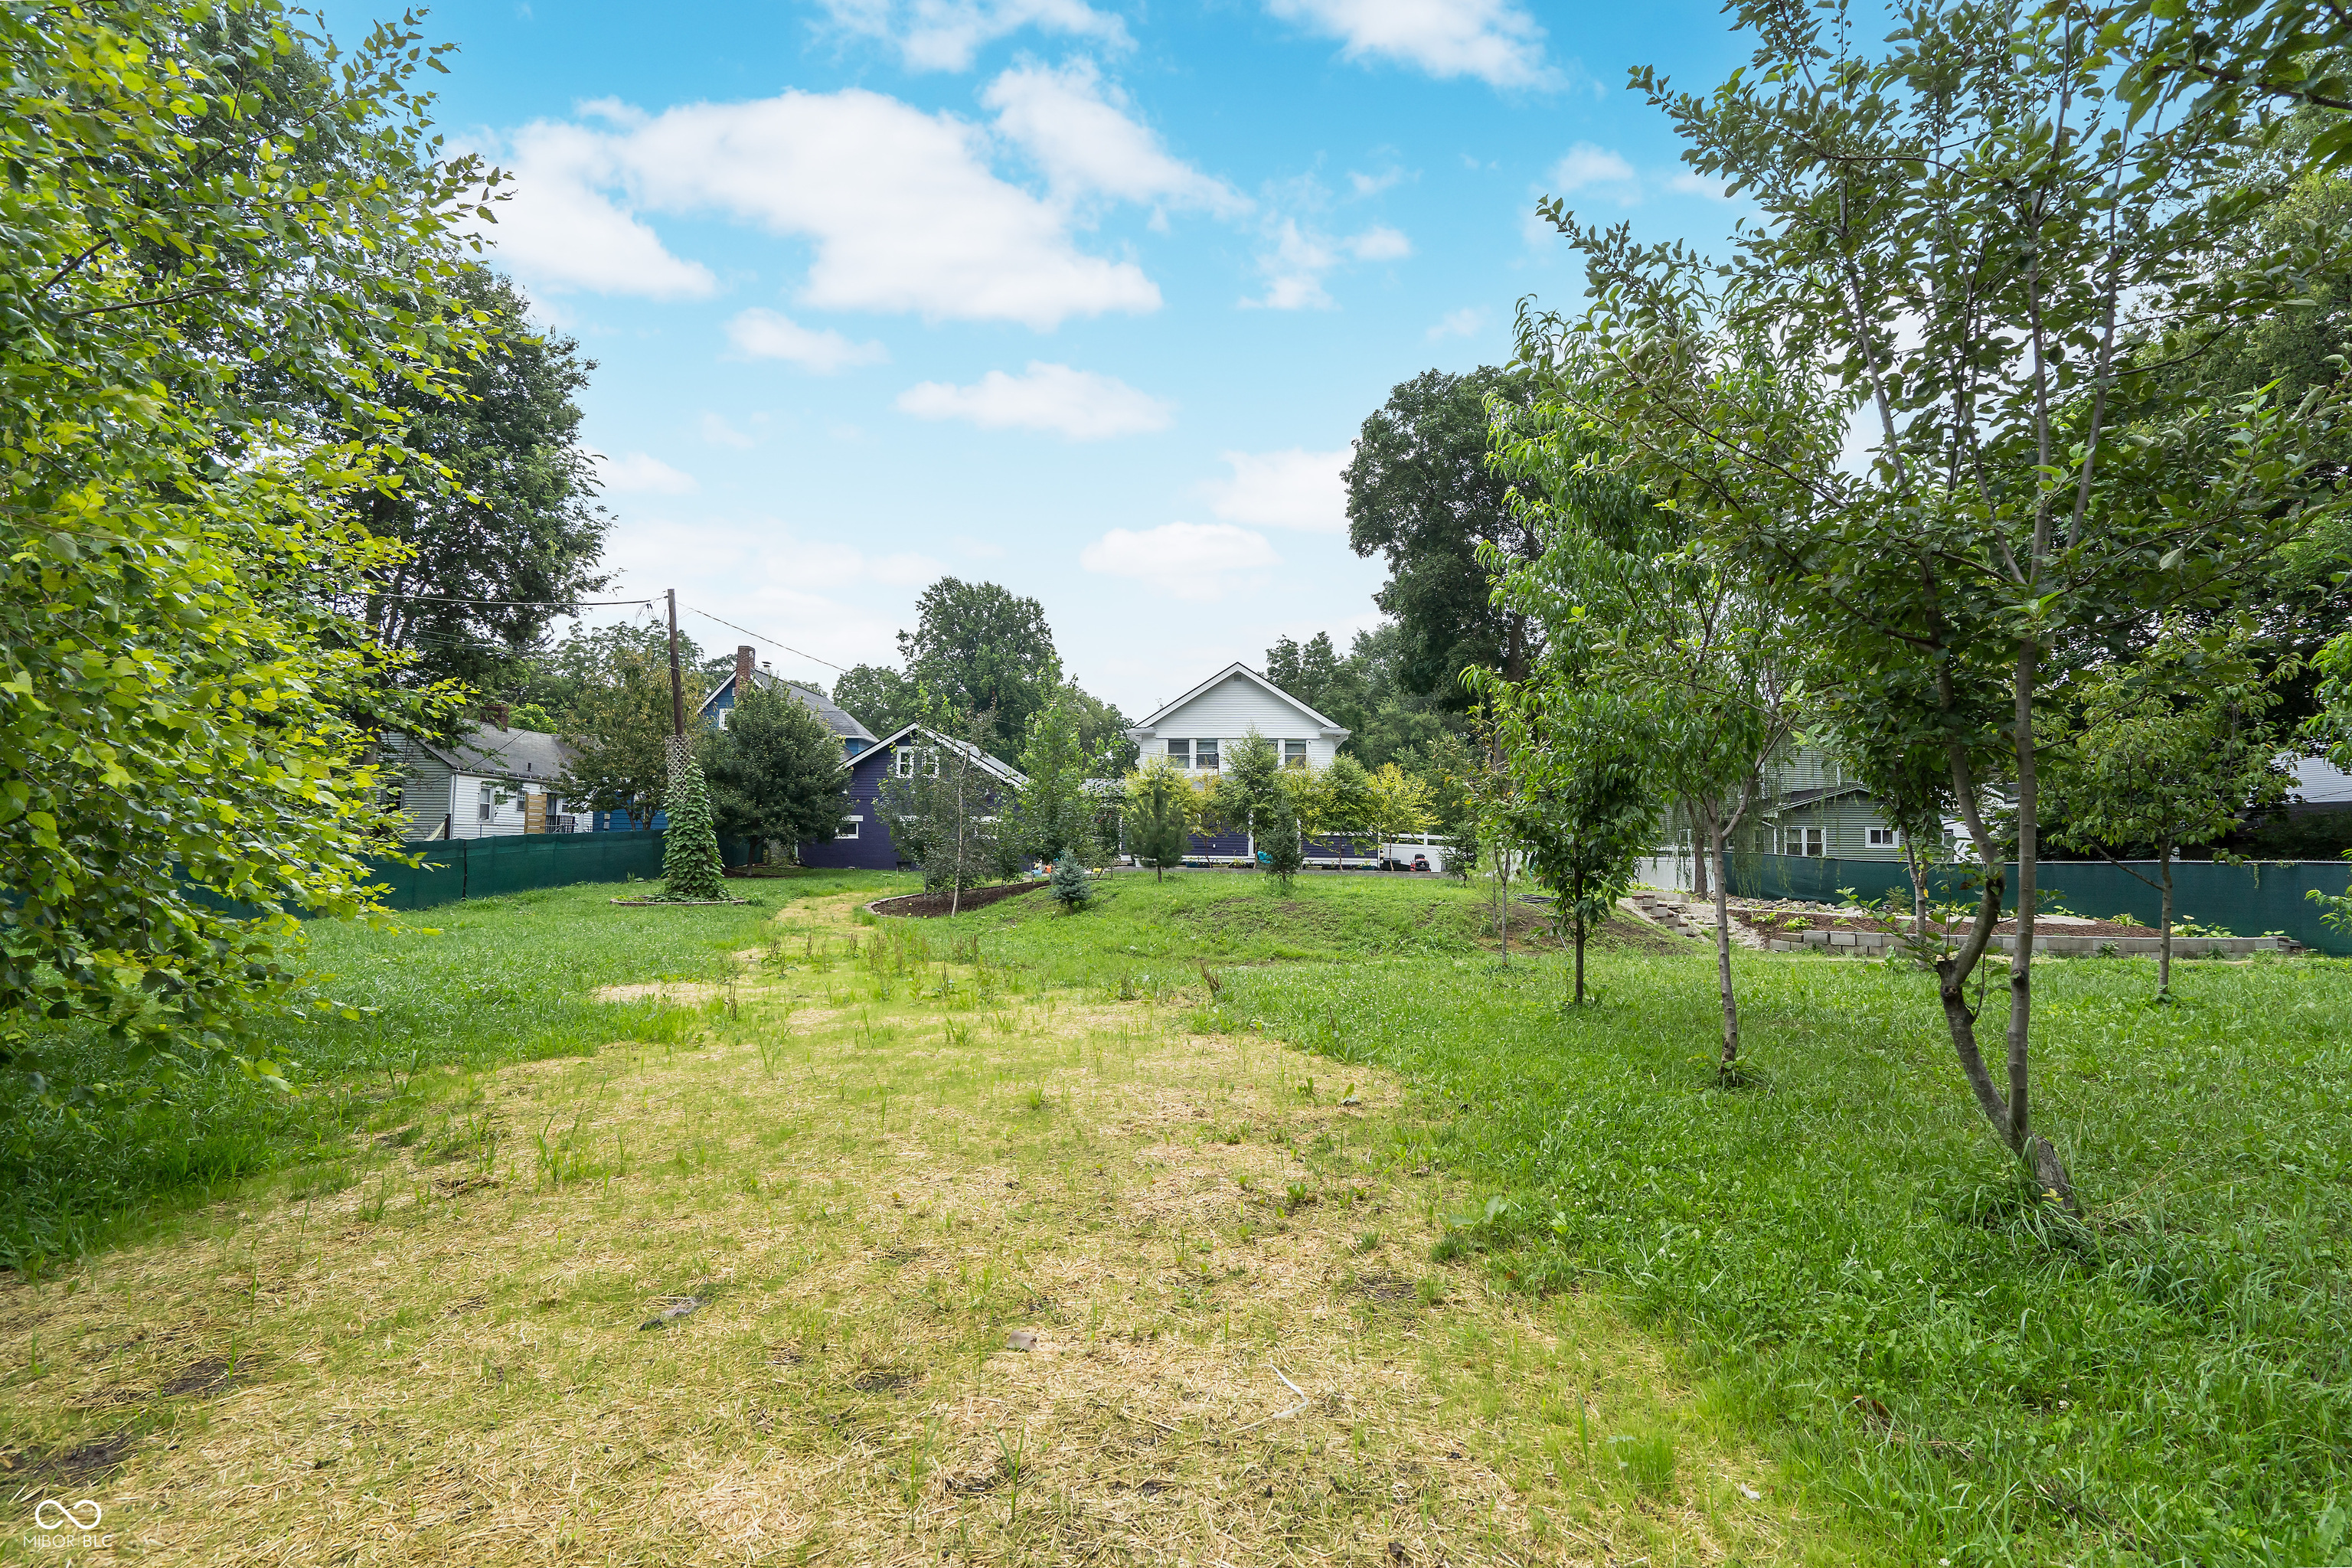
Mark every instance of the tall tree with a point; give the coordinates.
(948, 815)
(878, 696)
(981, 649)
(1962, 236)
(1161, 809)
(199, 214)
(1420, 493)
(774, 771)
(620, 731)
(1055, 814)
(495, 499)
(1364, 690)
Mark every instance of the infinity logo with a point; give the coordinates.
(54, 1515)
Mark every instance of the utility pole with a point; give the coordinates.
(677, 694)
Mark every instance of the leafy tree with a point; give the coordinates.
(495, 499)
(195, 219)
(620, 732)
(2171, 751)
(1399, 804)
(1420, 493)
(1282, 842)
(1585, 808)
(690, 863)
(1963, 238)
(1365, 691)
(981, 649)
(2239, 55)
(1247, 795)
(946, 817)
(1161, 809)
(1619, 591)
(878, 696)
(1070, 886)
(1334, 800)
(775, 771)
(1054, 812)
(554, 683)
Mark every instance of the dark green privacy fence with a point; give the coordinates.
(485, 867)
(2251, 899)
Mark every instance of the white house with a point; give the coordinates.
(1199, 729)
(491, 782)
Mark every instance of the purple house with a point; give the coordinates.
(863, 841)
(855, 737)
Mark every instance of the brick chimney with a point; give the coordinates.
(743, 657)
(497, 712)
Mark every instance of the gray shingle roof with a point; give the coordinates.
(836, 718)
(486, 752)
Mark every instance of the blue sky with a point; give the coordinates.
(1085, 297)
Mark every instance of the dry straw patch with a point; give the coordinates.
(973, 1275)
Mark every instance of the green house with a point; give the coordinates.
(1813, 808)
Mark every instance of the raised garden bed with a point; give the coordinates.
(927, 906)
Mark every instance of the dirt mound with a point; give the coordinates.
(924, 906)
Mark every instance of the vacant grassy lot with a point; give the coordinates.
(834, 1245)
(870, 1154)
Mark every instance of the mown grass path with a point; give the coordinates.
(940, 1266)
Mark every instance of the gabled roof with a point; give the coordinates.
(1824, 791)
(988, 764)
(1141, 729)
(485, 751)
(838, 719)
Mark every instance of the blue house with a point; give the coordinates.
(854, 736)
(863, 841)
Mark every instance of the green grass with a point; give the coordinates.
(1846, 1256)
(472, 984)
(1841, 1254)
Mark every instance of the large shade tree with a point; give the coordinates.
(202, 209)
(775, 772)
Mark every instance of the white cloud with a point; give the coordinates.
(560, 231)
(1373, 184)
(1458, 323)
(1301, 256)
(1290, 489)
(1078, 404)
(769, 335)
(901, 208)
(1494, 40)
(1689, 184)
(944, 35)
(1081, 133)
(719, 433)
(1196, 561)
(1589, 168)
(638, 474)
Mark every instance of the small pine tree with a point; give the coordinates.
(1281, 848)
(1070, 883)
(690, 854)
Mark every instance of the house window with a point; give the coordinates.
(1882, 838)
(1205, 755)
(1810, 841)
(1180, 753)
(490, 805)
(1294, 753)
(910, 756)
(848, 828)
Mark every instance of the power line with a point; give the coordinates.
(772, 642)
(528, 603)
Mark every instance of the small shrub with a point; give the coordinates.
(1070, 885)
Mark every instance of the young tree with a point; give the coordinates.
(946, 816)
(1282, 841)
(1961, 238)
(1070, 886)
(1161, 809)
(1399, 805)
(1055, 814)
(690, 863)
(621, 734)
(2171, 752)
(1336, 801)
(1246, 795)
(1585, 807)
(775, 772)
(1621, 589)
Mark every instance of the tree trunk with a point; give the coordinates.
(1701, 823)
(1918, 887)
(2049, 1170)
(2163, 938)
(1723, 948)
(1580, 960)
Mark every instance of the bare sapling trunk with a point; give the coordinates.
(2048, 1173)
(1913, 864)
(2164, 930)
(1701, 818)
(1577, 923)
(955, 871)
(1715, 831)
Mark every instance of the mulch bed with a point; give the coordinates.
(676, 903)
(1777, 919)
(925, 906)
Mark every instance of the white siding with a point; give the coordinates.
(505, 818)
(1231, 709)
